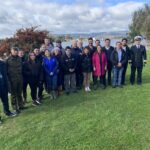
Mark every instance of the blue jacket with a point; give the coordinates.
(50, 66)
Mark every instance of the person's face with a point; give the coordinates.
(58, 44)
(107, 43)
(32, 56)
(56, 52)
(124, 42)
(99, 49)
(20, 54)
(118, 45)
(46, 41)
(68, 51)
(80, 44)
(90, 42)
(47, 53)
(97, 43)
(43, 47)
(74, 43)
(36, 51)
(14, 52)
(138, 42)
(86, 51)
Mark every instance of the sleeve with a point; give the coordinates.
(144, 53)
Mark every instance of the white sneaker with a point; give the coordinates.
(88, 89)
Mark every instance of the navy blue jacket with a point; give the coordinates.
(138, 55)
(3, 76)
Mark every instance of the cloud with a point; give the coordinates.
(83, 16)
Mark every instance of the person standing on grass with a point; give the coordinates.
(69, 64)
(77, 53)
(25, 84)
(4, 88)
(127, 51)
(32, 70)
(50, 66)
(86, 63)
(138, 59)
(99, 61)
(14, 71)
(118, 60)
(39, 59)
(108, 50)
(58, 55)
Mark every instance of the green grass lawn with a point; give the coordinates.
(111, 119)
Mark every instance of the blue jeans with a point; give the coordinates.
(51, 83)
(117, 76)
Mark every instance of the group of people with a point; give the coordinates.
(56, 69)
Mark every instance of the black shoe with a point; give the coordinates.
(114, 86)
(23, 108)
(75, 91)
(95, 87)
(67, 93)
(103, 86)
(17, 111)
(34, 103)
(38, 102)
(10, 114)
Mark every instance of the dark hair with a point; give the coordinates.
(118, 43)
(58, 41)
(29, 59)
(125, 39)
(68, 47)
(90, 38)
(84, 49)
(107, 40)
(97, 40)
(15, 48)
(100, 46)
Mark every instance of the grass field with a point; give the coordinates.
(111, 119)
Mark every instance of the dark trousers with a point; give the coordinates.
(40, 89)
(33, 88)
(70, 82)
(109, 71)
(139, 74)
(4, 98)
(16, 94)
(102, 80)
(124, 73)
(79, 79)
(51, 83)
(25, 84)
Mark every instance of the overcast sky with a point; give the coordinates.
(67, 16)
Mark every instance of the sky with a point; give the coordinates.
(67, 16)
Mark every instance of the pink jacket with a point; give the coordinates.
(100, 69)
